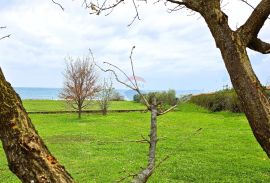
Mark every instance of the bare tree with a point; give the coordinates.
(104, 96)
(233, 46)
(80, 84)
(151, 106)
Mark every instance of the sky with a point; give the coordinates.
(173, 50)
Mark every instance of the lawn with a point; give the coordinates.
(224, 150)
(58, 105)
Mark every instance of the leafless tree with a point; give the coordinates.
(233, 46)
(151, 106)
(80, 84)
(104, 96)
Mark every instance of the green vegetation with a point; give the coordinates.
(224, 150)
(223, 100)
(164, 97)
(58, 105)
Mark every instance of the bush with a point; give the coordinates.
(164, 98)
(224, 100)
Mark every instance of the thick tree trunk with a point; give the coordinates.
(27, 155)
(250, 92)
(143, 176)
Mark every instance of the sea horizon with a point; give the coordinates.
(51, 93)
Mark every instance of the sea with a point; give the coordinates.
(53, 93)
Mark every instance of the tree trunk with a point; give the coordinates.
(104, 110)
(253, 99)
(79, 111)
(143, 176)
(27, 155)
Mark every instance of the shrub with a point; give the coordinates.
(224, 100)
(166, 98)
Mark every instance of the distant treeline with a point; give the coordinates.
(223, 100)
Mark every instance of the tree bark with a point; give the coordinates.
(27, 155)
(143, 176)
(247, 86)
(79, 111)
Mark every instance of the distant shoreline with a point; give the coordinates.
(39, 93)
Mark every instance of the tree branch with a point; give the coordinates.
(58, 4)
(8, 36)
(255, 22)
(259, 46)
(194, 5)
(168, 110)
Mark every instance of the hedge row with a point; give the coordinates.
(223, 100)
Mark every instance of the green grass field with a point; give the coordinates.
(58, 105)
(224, 150)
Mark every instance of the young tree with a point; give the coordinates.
(155, 111)
(104, 96)
(80, 84)
(233, 46)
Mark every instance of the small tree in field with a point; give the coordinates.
(80, 83)
(152, 107)
(104, 96)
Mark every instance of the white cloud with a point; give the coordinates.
(172, 50)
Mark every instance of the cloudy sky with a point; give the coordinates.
(172, 50)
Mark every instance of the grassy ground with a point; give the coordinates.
(58, 105)
(224, 150)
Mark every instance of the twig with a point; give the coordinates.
(8, 36)
(168, 110)
(58, 4)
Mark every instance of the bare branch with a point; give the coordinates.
(8, 36)
(124, 141)
(136, 15)
(116, 77)
(132, 66)
(58, 4)
(259, 46)
(247, 3)
(168, 110)
(255, 22)
(134, 85)
(194, 5)
(96, 8)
